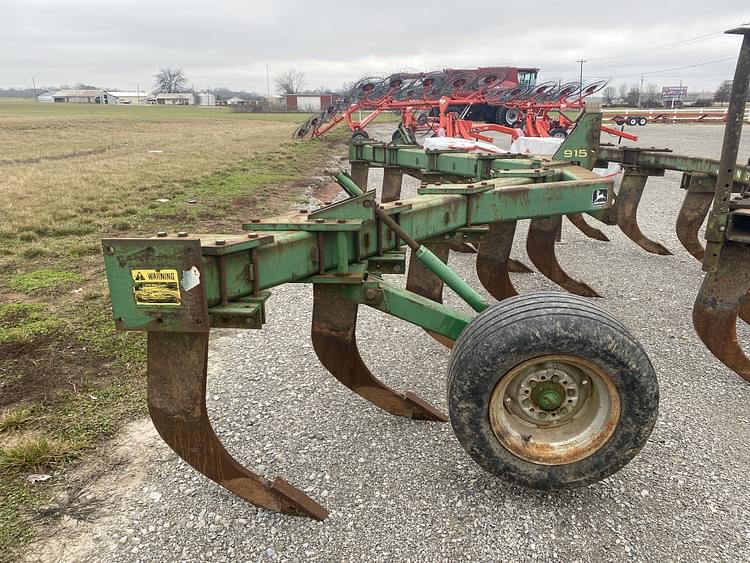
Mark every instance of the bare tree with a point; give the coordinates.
(631, 98)
(290, 82)
(723, 92)
(609, 94)
(171, 79)
(622, 90)
(651, 90)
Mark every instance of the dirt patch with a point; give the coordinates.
(100, 491)
(36, 372)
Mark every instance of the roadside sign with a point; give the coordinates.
(674, 91)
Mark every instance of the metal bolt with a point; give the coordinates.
(508, 400)
(252, 235)
(182, 234)
(255, 220)
(220, 242)
(320, 220)
(341, 220)
(327, 203)
(110, 250)
(722, 228)
(303, 211)
(371, 294)
(161, 234)
(585, 382)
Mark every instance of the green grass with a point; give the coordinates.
(43, 279)
(38, 454)
(26, 322)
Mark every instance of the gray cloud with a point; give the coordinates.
(122, 43)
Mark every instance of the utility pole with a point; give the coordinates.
(640, 92)
(581, 77)
(268, 82)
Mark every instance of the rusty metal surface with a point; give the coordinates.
(540, 245)
(493, 257)
(334, 340)
(628, 198)
(518, 267)
(580, 223)
(693, 212)
(392, 179)
(721, 296)
(177, 365)
(422, 281)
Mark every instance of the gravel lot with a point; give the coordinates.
(405, 491)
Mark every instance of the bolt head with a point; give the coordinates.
(252, 235)
(161, 234)
(341, 220)
(320, 220)
(182, 234)
(220, 242)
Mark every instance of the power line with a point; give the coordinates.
(674, 68)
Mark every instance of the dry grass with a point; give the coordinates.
(72, 174)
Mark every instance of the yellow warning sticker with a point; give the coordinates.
(156, 287)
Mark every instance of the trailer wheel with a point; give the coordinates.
(642, 121)
(632, 121)
(619, 120)
(360, 135)
(550, 391)
(558, 133)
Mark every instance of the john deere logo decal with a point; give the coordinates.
(600, 197)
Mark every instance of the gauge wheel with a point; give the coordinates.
(360, 135)
(550, 391)
(558, 132)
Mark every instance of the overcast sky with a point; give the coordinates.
(121, 44)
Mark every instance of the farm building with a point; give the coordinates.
(206, 99)
(174, 99)
(235, 101)
(46, 96)
(84, 97)
(138, 97)
(309, 102)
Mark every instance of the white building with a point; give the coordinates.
(175, 99)
(137, 97)
(206, 99)
(84, 97)
(46, 96)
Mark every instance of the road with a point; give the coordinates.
(400, 490)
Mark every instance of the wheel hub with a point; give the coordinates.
(554, 409)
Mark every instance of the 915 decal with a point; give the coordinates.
(576, 153)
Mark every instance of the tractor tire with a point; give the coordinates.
(550, 391)
(642, 121)
(508, 116)
(558, 132)
(632, 121)
(360, 136)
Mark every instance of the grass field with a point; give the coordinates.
(70, 174)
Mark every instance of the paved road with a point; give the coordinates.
(405, 491)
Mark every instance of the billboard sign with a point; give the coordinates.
(674, 91)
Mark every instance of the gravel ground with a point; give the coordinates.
(400, 490)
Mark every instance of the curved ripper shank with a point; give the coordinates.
(580, 223)
(493, 260)
(721, 296)
(177, 363)
(628, 198)
(334, 340)
(693, 212)
(540, 245)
